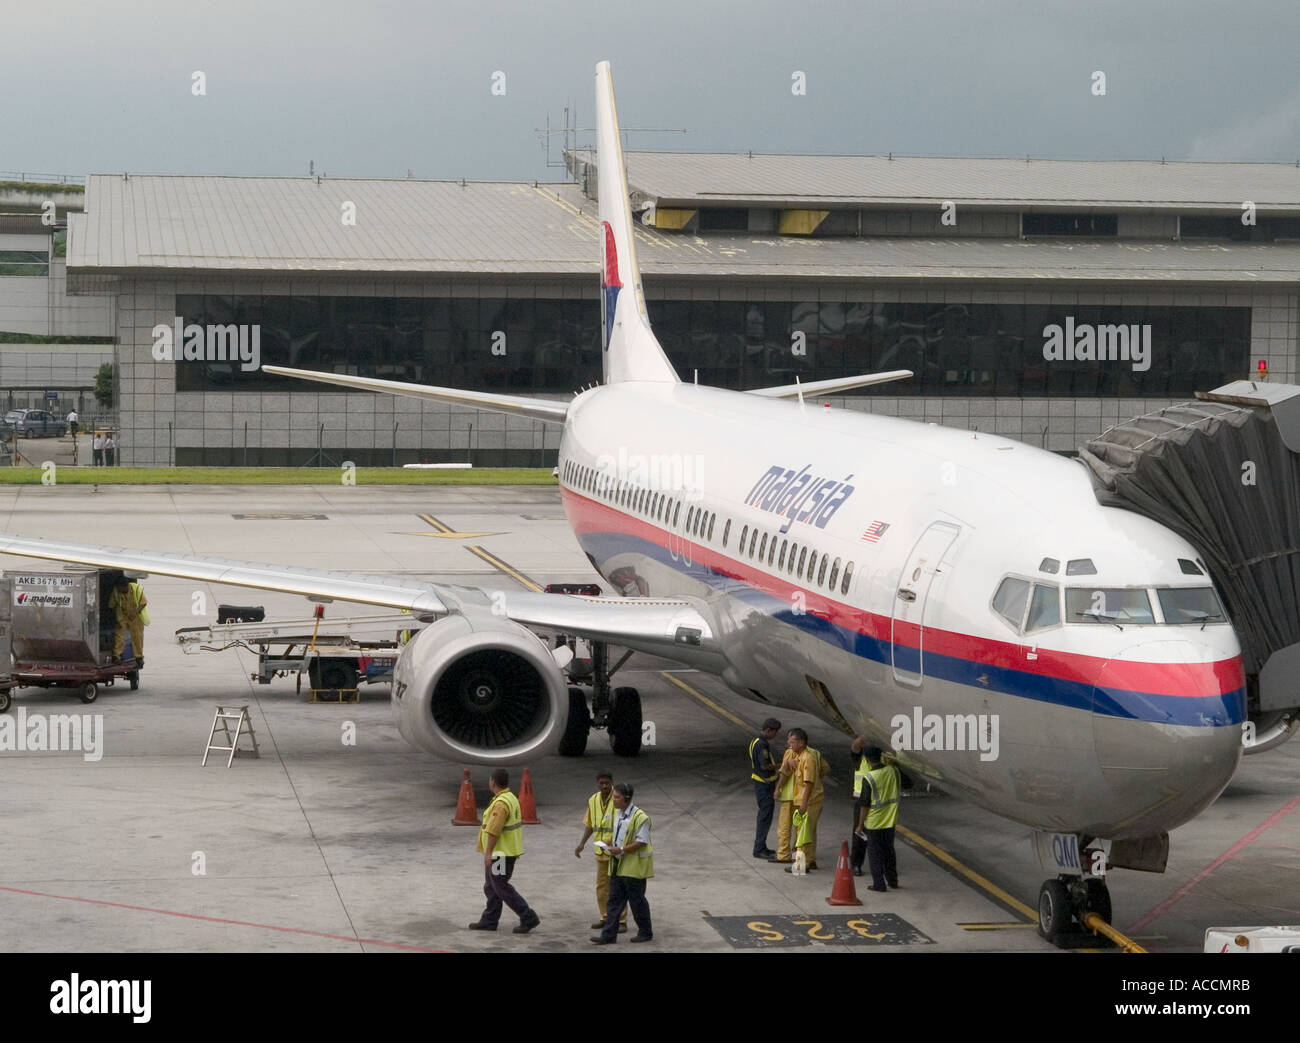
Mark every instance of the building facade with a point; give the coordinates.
(1042, 301)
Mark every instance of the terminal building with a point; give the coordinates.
(1041, 300)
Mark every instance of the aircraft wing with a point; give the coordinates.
(674, 627)
(518, 405)
(831, 386)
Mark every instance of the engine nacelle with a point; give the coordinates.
(479, 689)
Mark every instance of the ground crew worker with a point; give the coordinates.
(809, 796)
(861, 798)
(131, 608)
(785, 805)
(598, 823)
(876, 821)
(634, 864)
(501, 840)
(762, 771)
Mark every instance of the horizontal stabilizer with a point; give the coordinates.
(518, 405)
(830, 387)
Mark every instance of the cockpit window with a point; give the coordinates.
(1080, 567)
(1009, 601)
(1118, 605)
(1044, 607)
(1190, 568)
(1184, 605)
(1050, 566)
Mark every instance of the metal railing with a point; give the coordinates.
(42, 179)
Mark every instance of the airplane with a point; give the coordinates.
(875, 572)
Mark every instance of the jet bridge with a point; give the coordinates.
(1224, 473)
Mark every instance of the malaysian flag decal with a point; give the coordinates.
(875, 530)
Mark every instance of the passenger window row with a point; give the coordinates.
(779, 553)
(656, 506)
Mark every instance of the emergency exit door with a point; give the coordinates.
(907, 628)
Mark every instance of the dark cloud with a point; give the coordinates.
(376, 90)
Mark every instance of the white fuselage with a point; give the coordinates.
(1099, 726)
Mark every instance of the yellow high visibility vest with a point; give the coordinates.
(860, 773)
(883, 813)
(753, 774)
(639, 863)
(786, 791)
(602, 822)
(134, 599)
(511, 840)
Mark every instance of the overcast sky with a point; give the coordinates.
(376, 89)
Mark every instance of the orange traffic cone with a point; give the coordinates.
(466, 809)
(842, 892)
(527, 805)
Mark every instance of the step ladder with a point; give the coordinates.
(244, 726)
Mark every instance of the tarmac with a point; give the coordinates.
(338, 837)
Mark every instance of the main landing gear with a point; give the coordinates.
(617, 710)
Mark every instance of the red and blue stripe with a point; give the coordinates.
(1208, 694)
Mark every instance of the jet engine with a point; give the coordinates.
(479, 689)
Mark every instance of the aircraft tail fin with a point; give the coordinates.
(631, 351)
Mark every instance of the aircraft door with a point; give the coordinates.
(907, 627)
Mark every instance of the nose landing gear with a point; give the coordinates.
(1064, 906)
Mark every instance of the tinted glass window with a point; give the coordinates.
(1107, 605)
(1044, 607)
(1184, 605)
(1009, 601)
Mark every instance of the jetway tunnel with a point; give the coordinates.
(1224, 473)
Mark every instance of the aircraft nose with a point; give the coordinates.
(1167, 730)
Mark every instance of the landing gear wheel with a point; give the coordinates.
(577, 725)
(625, 722)
(6, 700)
(1053, 909)
(1096, 899)
(326, 674)
(89, 693)
(134, 678)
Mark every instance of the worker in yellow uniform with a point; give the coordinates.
(598, 823)
(131, 608)
(634, 864)
(785, 805)
(876, 821)
(501, 840)
(861, 798)
(808, 795)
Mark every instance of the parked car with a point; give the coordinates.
(33, 422)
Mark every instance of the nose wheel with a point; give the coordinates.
(1062, 905)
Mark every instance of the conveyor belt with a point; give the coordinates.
(1220, 473)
